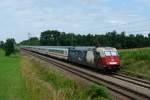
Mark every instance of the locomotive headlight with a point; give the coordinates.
(112, 62)
(112, 59)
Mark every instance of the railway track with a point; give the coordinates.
(123, 87)
(140, 82)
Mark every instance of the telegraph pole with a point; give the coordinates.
(72, 39)
(29, 37)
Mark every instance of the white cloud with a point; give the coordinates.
(18, 17)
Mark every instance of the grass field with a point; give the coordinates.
(12, 86)
(136, 61)
(46, 83)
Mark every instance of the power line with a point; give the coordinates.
(129, 24)
(29, 37)
(131, 31)
(138, 31)
(140, 27)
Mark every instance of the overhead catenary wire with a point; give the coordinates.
(124, 24)
(141, 26)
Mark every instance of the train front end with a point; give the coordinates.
(109, 58)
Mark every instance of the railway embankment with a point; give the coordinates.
(43, 81)
(136, 62)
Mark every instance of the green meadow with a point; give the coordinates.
(12, 86)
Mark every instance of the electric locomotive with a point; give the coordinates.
(105, 58)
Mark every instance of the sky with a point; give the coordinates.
(20, 17)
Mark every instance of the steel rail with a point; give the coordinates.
(132, 80)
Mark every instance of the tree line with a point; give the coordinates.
(114, 39)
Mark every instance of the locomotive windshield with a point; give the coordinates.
(111, 53)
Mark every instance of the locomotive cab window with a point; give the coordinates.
(107, 53)
(111, 53)
(114, 53)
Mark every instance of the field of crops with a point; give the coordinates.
(136, 61)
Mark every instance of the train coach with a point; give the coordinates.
(105, 58)
(53, 51)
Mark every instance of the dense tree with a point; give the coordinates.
(31, 41)
(50, 37)
(9, 47)
(114, 39)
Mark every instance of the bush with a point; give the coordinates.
(9, 47)
(97, 91)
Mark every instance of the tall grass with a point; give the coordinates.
(137, 54)
(136, 61)
(46, 82)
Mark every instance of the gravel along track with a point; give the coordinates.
(123, 88)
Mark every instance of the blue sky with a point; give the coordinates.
(19, 17)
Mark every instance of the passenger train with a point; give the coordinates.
(105, 58)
